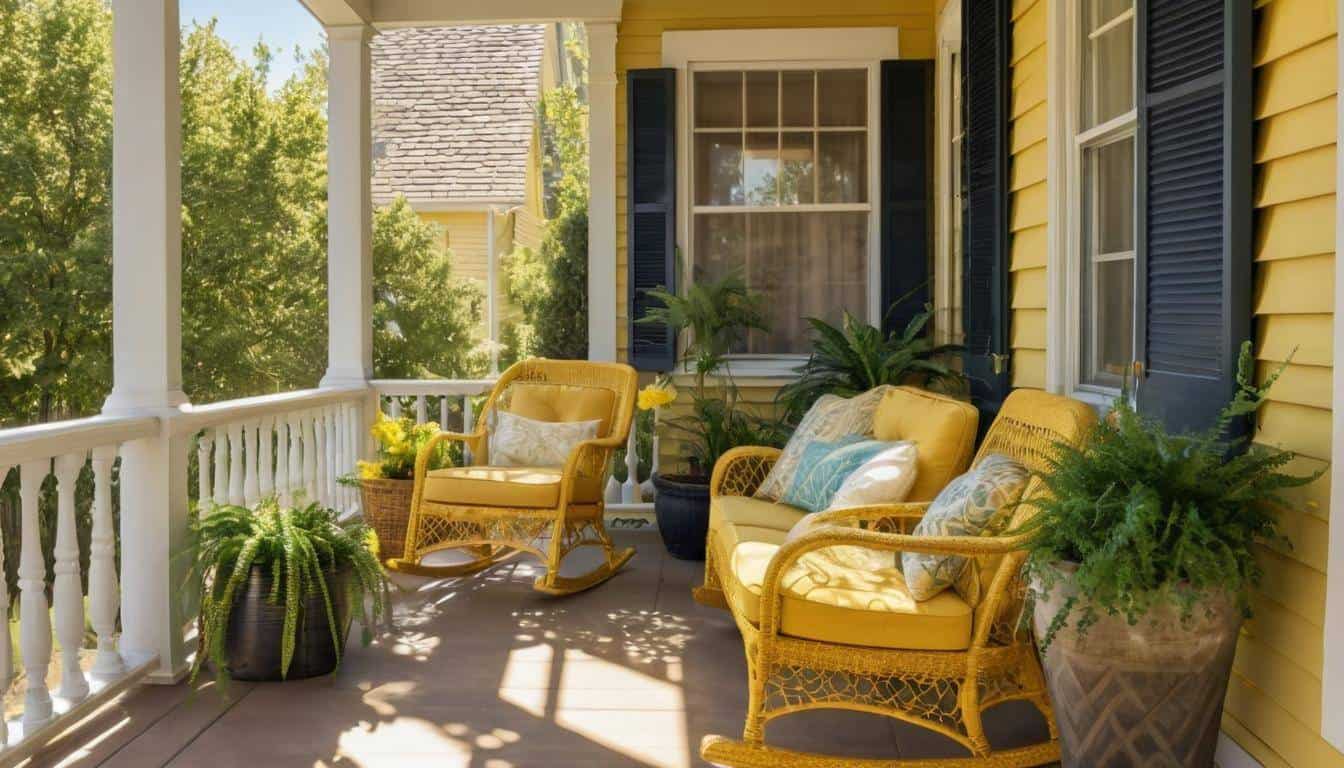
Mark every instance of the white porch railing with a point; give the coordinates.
(294, 446)
(65, 449)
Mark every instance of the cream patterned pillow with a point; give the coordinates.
(979, 503)
(828, 420)
(517, 441)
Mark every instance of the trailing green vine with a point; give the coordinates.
(302, 549)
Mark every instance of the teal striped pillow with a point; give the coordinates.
(824, 467)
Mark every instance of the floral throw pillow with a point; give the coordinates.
(979, 503)
(517, 441)
(828, 420)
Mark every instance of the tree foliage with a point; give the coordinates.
(550, 285)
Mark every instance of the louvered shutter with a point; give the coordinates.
(651, 205)
(907, 188)
(1195, 197)
(985, 42)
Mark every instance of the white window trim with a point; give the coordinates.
(849, 47)
(1063, 316)
(949, 44)
(1332, 673)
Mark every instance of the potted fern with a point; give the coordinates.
(277, 589)
(712, 316)
(855, 357)
(1140, 560)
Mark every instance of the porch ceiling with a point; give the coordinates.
(409, 13)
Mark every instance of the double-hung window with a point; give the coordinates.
(781, 191)
(1102, 170)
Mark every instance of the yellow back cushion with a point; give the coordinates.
(562, 402)
(942, 428)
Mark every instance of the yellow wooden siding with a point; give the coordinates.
(1029, 210)
(639, 45)
(464, 235)
(1274, 702)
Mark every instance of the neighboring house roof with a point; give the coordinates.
(453, 112)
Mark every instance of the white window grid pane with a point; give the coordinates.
(778, 207)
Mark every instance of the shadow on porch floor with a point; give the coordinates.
(484, 673)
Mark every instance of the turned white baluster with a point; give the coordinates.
(352, 433)
(333, 454)
(104, 589)
(265, 459)
(34, 618)
(443, 412)
(221, 466)
(394, 407)
(66, 592)
(630, 490)
(468, 426)
(310, 454)
(6, 652)
(295, 457)
(203, 444)
(236, 496)
(320, 432)
(421, 409)
(251, 484)
(282, 461)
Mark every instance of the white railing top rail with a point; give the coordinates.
(431, 387)
(58, 438)
(193, 418)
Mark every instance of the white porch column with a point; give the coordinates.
(147, 322)
(601, 190)
(349, 209)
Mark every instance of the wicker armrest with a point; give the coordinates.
(740, 471)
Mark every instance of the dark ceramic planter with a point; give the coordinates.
(255, 629)
(682, 509)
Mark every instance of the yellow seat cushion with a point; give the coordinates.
(523, 487)
(562, 402)
(942, 428)
(836, 595)
(747, 510)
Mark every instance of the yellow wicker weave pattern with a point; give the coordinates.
(742, 470)
(550, 533)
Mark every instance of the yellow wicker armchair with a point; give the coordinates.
(492, 513)
(795, 665)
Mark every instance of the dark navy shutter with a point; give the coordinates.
(651, 205)
(907, 188)
(1194, 207)
(985, 40)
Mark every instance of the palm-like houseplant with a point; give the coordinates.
(855, 357)
(712, 316)
(1141, 557)
(277, 588)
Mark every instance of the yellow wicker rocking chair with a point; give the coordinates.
(814, 640)
(493, 513)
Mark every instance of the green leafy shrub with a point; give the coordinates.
(1154, 518)
(855, 357)
(303, 549)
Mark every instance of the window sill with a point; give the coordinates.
(749, 372)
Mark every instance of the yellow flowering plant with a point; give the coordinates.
(399, 441)
(657, 395)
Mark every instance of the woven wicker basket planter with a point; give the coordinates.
(1149, 694)
(387, 510)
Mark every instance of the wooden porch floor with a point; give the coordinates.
(484, 673)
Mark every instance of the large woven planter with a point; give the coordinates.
(256, 630)
(387, 510)
(1150, 694)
